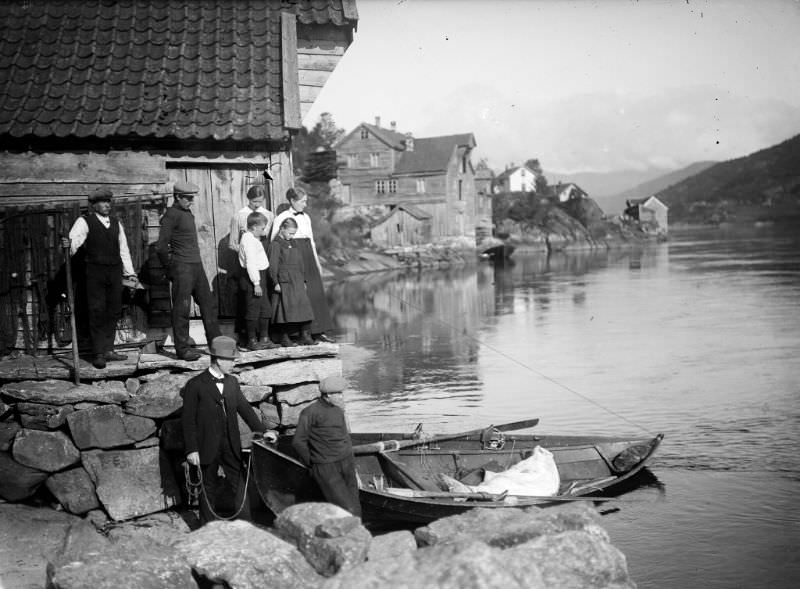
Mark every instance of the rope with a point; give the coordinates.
(523, 365)
(197, 490)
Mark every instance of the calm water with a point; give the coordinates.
(698, 338)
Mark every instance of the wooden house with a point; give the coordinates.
(380, 166)
(515, 179)
(568, 191)
(650, 211)
(404, 225)
(134, 96)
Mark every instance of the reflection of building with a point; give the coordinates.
(648, 210)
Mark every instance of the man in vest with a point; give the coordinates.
(108, 259)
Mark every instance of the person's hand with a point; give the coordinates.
(277, 288)
(270, 436)
(257, 290)
(193, 458)
(65, 242)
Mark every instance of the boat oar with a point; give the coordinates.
(394, 445)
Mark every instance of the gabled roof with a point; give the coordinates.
(510, 171)
(414, 211)
(175, 69)
(634, 202)
(391, 138)
(432, 154)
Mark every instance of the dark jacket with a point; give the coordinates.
(177, 238)
(321, 436)
(204, 420)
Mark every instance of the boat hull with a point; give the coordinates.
(586, 465)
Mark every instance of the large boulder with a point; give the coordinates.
(107, 426)
(62, 392)
(239, 555)
(132, 483)
(87, 559)
(255, 394)
(329, 537)
(43, 416)
(47, 451)
(16, 480)
(74, 490)
(391, 544)
(297, 394)
(508, 527)
(159, 397)
(165, 527)
(461, 565)
(575, 559)
(291, 372)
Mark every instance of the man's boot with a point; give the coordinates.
(99, 361)
(305, 336)
(268, 344)
(286, 341)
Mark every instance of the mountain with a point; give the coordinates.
(599, 184)
(761, 187)
(614, 204)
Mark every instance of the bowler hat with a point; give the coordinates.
(185, 188)
(332, 384)
(224, 347)
(99, 194)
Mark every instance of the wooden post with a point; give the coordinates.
(71, 300)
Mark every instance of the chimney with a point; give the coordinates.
(393, 124)
(409, 142)
(378, 122)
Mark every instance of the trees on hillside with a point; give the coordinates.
(319, 140)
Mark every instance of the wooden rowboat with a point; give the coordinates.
(586, 466)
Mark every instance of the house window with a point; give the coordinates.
(352, 160)
(421, 185)
(364, 133)
(460, 190)
(393, 186)
(464, 164)
(374, 160)
(380, 186)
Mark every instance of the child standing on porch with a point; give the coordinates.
(253, 282)
(292, 306)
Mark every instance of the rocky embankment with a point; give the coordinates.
(319, 545)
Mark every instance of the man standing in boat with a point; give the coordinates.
(322, 441)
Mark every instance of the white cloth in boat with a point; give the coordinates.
(536, 475)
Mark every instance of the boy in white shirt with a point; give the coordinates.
(253, 259)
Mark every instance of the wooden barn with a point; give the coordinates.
(134, 96)
(404, 225)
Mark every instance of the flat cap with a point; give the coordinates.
(332, 384)
(182, 187)
(100, 194)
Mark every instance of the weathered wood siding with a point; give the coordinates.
(361, 176)
(319, 50)
(401, 229)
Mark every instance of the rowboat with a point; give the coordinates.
(400, 478)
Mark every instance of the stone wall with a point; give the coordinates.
(117, 444)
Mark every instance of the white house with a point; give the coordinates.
(650, 210)
(516, 179)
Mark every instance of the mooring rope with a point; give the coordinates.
(522, 364)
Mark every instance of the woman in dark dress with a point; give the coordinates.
(304, 241)
(291, 305)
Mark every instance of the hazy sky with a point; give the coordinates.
(582, 85)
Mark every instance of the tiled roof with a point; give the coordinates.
(391, 138)
(432, 154)
(154, 69)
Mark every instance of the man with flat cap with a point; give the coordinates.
(212, 403)
(322, 440)
(108, 259)
(179, 252)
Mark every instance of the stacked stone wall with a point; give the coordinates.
(117, 444)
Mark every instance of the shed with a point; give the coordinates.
(134, 96)
(649, 210)
(405, 224)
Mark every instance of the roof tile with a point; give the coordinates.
(185, 69)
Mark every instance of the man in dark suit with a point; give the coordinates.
(211, 402)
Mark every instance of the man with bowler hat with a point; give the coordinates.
(322, 440)
(212, 400)
(179, 252)
(108, 259)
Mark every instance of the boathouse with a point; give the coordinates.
(134, 96)
(649, 211)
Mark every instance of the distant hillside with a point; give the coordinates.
(763, 186)
(599, 184)
(614, 204)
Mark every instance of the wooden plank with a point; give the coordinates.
(332, 50)
(29, 194)
(313, 78)
(114, 167)
(309, 93)
(291, 100)
(319, 63)
(323, 34)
